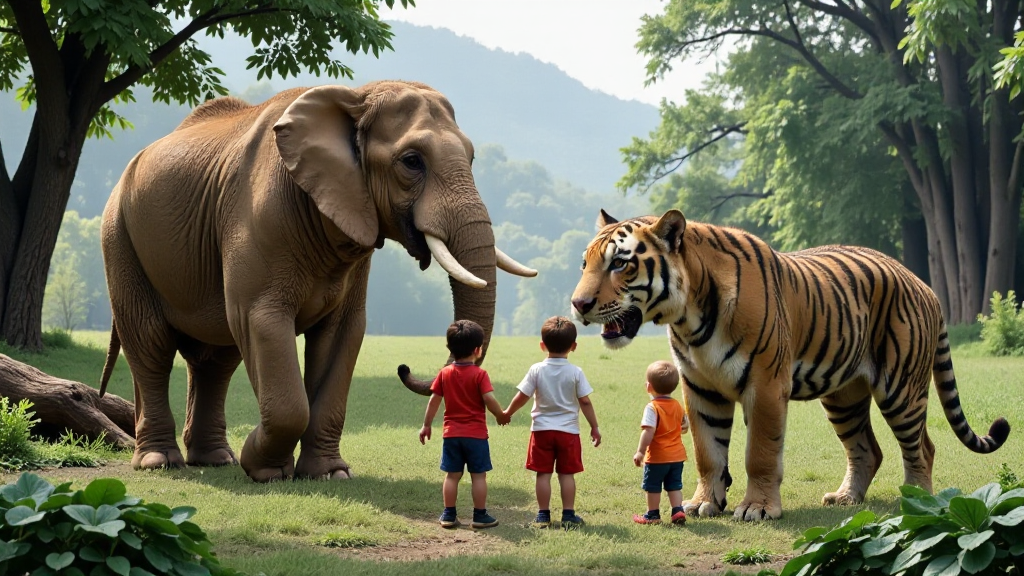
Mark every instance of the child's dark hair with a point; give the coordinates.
(464, 336)
(663, 377)
(558, 334)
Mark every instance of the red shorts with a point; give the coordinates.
(548, 447)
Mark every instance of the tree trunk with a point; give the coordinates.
(915, 241)
(65, 405)
(54, 163)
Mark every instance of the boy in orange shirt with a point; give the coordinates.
(661, 447)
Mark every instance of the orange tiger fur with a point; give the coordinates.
(753, 326)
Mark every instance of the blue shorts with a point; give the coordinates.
(669, 475)
(471, 453)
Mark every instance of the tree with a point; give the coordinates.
(951, 129)
(86, 54)
(65, 302)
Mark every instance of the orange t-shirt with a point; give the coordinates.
(667, 445)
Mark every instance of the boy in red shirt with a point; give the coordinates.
(466, 390)
(661, 447)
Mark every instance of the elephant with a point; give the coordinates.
(251, 224)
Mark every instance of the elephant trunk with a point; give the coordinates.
(471, 242)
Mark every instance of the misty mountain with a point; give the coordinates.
(533, 110)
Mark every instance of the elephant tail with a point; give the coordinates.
(113, 351)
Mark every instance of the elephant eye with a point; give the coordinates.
(413, 162)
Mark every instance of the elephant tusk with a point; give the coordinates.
(506, 263)
(440, 253)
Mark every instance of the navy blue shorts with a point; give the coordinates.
(471, 453)
(669, 475)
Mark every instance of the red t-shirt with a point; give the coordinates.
(463, 387)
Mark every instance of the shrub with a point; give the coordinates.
(99, 531)
(1003, 331)
(748, 556)
(58, 338)
(939, 535)
(1007, 479)
(16, 421)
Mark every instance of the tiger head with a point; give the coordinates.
(630, 275)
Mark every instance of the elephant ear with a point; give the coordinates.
(315, 137)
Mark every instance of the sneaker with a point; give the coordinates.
(679, 517)
(448, 520)
(483, 520)
(571, 522)
(646, 519)
(542, 520)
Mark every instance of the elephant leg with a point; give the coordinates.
(209, 373)
(849, 411)
(266, 338)
(711, 417)
(148, 342)
(332, 347)
(764, 408)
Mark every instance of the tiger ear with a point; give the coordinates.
(670, 228)
(604, 219)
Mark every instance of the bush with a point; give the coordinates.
(748, 556)
(1003, 331)
(939, 535)
(16, 421)
(58, 338)
(99, 531)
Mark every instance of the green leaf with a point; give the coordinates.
(157, 558)
(44, 534)
(881, 545)
(182, 513)
(190, 569)
(905, 560)
(10, 550)
(22, 515)
(73, 571)
(28, 485)
(911, 491)
(55, 502)
(922, 545)
(131, 540)
(107, 528)
(119, 564)
(136, 571)
(974, 561)
(103, 491)
(942, 566)
(43, 571)
(1012, 518)
(59, 561)
(972, 541)
(89, 516)
(969, 512)
(91, 554)
(989, 494)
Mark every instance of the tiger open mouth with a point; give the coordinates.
(625, 325)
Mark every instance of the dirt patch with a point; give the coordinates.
(454, 543)
(709, 564)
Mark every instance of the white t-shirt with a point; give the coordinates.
(556, 387)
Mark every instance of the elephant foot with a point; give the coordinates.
(323, 468)
(697, 509)
(153, 459)
(211, 457)
(757, 509)
(840, 498)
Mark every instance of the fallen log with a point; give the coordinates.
(61, 405)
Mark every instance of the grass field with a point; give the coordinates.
(383, 521)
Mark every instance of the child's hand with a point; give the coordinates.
(595, 437)
(638, 458)
(424, 434)
(503, 419)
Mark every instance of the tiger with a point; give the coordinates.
(750, 325)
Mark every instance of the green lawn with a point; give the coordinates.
(387, 513)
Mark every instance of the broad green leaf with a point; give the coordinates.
(926, 505)
(43, 571)
(881, 545)
(103, 491)
(1012, 518)
(922, 545)
(942, 566)
(89, 516)
(28, 485)
(972, 541)
(136, 571)
(848, 563)
(904, 560)
(63, 488)
(44, 534)
(974, 561)
(989, 494)
(55, 502)
(157, 558)
(969, 512)
(119, 565)
(108, 528)
(182, 513)
(72, 571)
(10, 550)
(91, 554)
(131, 540)
(22, 515)
(911, 491)
(190, 569)
(59, 561)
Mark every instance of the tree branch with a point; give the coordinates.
(724, 131)
(845, 11)
(11, 31)
(721, 200)
(906, 155)
(42, 51)
(134, 73)
(811, 59)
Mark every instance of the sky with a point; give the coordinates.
(591, 40)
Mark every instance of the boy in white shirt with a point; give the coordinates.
(560, 392)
